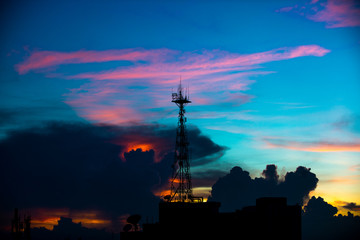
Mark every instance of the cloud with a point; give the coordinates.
(237, 189)
(66, 228)
(312, 146)
(48, 217)
(335, 13)
(162, 140)
(163, 62)
(107, 96)
(19, 116)
(352, 206)
(46, 59)
(270, 173)
(338, 13)
(76, 168)
(319, 222)
(318, 208)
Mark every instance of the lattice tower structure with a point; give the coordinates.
(181, 187)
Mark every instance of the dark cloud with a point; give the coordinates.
(20, 117)
(74, 166)
(208, 152)
(237, 189)
(297, 185)
(318, 208)
(319, 222)
(270, 173)
(352, 206)
(77, 166)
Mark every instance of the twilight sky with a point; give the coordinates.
(271, 82)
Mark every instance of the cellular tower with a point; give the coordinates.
(181, 188)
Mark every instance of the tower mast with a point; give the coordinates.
(181, 188)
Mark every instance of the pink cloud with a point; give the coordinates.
(209, 64)
(335, 13)
(211, 61)
(309, 50)
(320, 146)
(45, 59)
(338, 13)
(109, 96)
(111, 115)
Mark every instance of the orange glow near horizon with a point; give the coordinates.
(343, 211)
(162, 193)
(47, 223)
(333, 199)
(133, 147)
(132, 142)
(143, 147)
(48, 218)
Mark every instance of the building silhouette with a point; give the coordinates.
(20, 229)
(271, 218)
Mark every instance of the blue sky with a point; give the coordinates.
(273, 81)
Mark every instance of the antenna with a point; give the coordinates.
(133, 219)
(181, 186)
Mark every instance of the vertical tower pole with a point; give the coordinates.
(181, 187)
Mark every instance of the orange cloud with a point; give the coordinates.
(312, 146)
(48, 217)
(162, 191)
(344, 207)
(133, 141)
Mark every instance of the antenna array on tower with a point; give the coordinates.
(181, 186)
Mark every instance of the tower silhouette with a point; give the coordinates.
(184, 216)
(181, 187)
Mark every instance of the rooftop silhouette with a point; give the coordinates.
(271, 218)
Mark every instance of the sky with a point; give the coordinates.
(271, 82)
